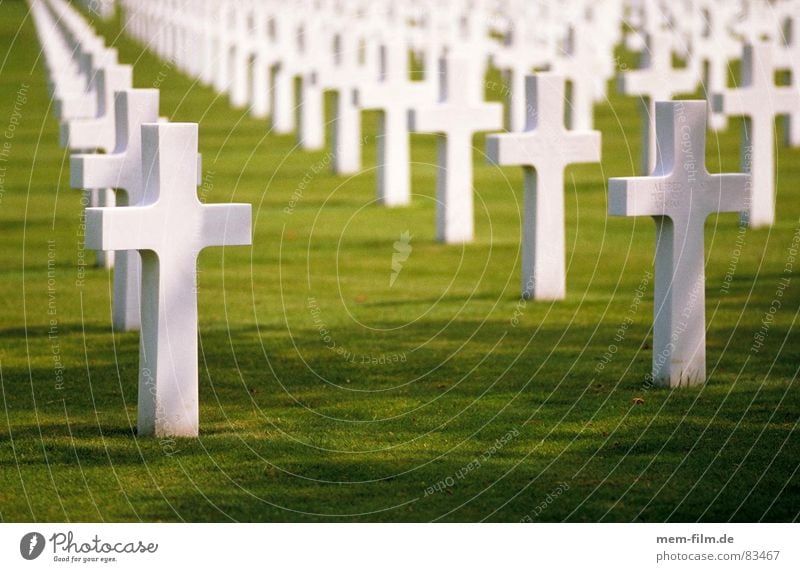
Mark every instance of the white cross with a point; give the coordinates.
(344, 76)
(288, 34)
(713, 43)
(517, 57)
(544, 149)
(437, 34)
(241, 50)
(264, 58)
(759, 100)
(679, 195)
(394, 95)
(655, 80)
(206, 11)
(98, 132)
(585, 63)
(456, 118)
(788, 57)
(169, 228)
(311, 126)
(191, 46)
(122, 170)
(77, 99)
(311, 48)
(222, 45)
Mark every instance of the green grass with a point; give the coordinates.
(291, 430)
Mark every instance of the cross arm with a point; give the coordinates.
(634, 82)
(442, 118)
(509, 149)
(77, 134)
(637, 196)
(581, 147)
(74, 106)
(728, 192)
(96, 171)
(785, 100)
(425, 120)
(120, 228)
(372, 95)
(734, 103)
(227, 224)
(530, 148)
(490, 117)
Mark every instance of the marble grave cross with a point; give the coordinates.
(655, 80)
(583, 65)
(544, 149)
(394, 94)
(759, 100)
(122, 170)
(169, 228)
(241, 48)
(679, 195)
(222, 46)
(287, 40)
(265, 56)
(715, 46)
(458, 115)
(517, 58)
(344, 77)
(311, 117)
(99, 133)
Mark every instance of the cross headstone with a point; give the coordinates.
(394, 94)
(585, 64)
(456, 118)
(471, 38)
(517, 58)
(437, 29)
(344, 77)
(759, 100)
(122, 170)
(99, 133)
(206, 16)
(169, 228)
(240, 56)
(288, 33)
(311, 127)
(544, 149)
(264, 58)
(679, 195)
(78, 99)
(655, 80)
(222, 60)
(788, 58)
(716, 46)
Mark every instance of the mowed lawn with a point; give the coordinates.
(330, 393)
